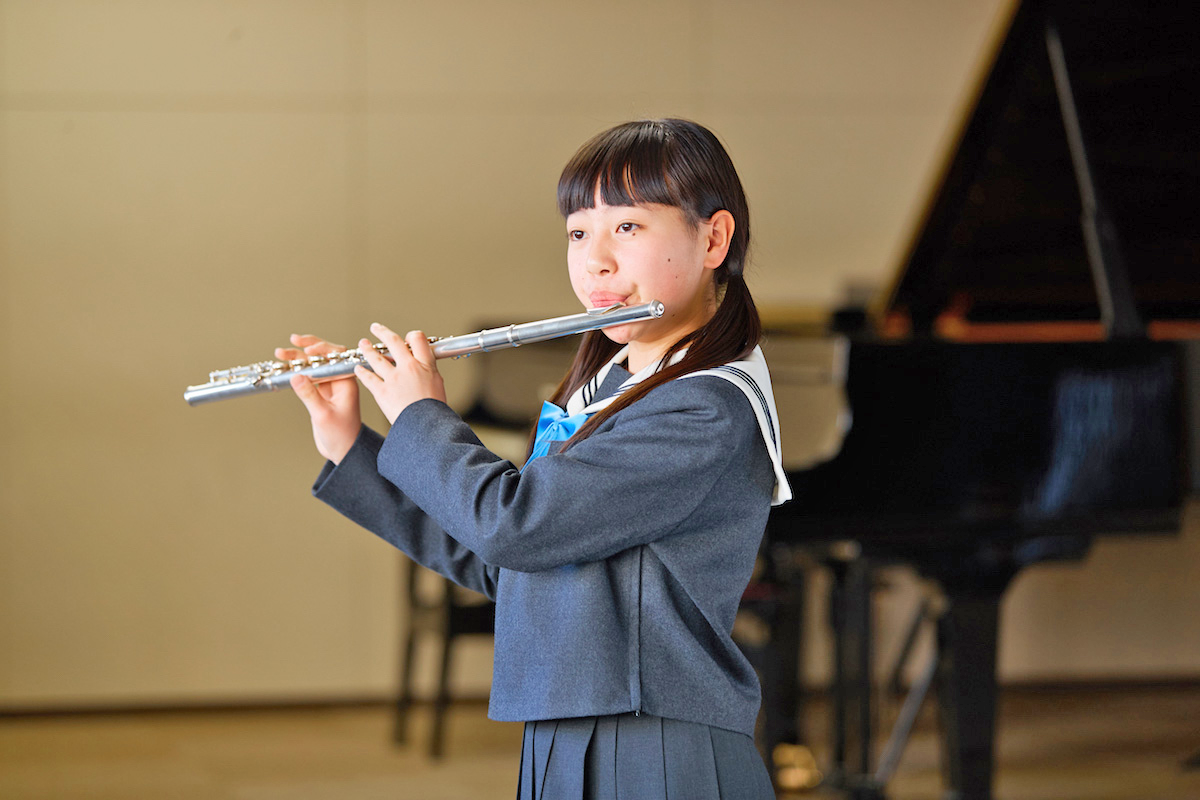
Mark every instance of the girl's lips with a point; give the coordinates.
(604, 300)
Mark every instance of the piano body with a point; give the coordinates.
(1022, 389)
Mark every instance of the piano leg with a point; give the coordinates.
(793, 767)
(967, 632)
(853, 712)
(966, 687)
(781, 686)
(774, 601)
(850, 619)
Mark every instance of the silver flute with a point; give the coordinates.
(271, 376)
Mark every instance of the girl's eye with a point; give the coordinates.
(627, 227)
(575, 236)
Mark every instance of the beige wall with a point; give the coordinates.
(183, 183)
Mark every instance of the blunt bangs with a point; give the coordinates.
(635, 163)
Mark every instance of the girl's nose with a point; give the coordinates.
(600, 257)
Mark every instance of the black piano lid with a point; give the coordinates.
(1002, 239)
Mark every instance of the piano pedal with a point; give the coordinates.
(795, 768)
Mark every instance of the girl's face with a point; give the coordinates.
(635, 254)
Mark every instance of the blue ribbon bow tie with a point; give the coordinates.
(554, 425)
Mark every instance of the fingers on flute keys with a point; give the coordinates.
(380, 366)
(305, 346)
(418, 345)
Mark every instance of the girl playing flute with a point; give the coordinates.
(617, 555)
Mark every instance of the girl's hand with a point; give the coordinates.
(413, 377)
(332, 406)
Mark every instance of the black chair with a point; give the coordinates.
(455, 613)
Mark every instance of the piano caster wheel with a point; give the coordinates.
(795, 769)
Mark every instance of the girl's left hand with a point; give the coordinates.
(413, 377)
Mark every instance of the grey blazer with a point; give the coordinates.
(616, 566)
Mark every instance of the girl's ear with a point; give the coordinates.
(720, 234)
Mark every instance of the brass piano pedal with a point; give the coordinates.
(795, 768)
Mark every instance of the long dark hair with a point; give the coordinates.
(677, 163)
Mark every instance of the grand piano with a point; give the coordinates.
(1023, 387)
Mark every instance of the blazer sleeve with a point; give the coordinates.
(355, 489)
(633, 481)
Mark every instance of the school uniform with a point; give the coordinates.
(616, 566)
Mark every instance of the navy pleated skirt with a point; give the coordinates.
(639, 757)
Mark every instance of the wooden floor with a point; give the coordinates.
(1127, 744)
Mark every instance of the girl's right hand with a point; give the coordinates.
(332, 405)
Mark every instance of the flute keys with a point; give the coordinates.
(273, 375)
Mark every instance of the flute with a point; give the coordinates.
(271, 376)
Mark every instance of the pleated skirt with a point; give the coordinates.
(639, 757)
